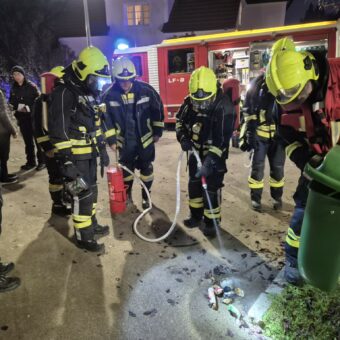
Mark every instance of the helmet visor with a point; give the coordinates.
(202, 105)
(97, 84)
(300, 98)
(285, 96)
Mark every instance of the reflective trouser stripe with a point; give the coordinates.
(55, 187)
(158, 124)
(196, 202)
(146, 179)
(213, 214)
(292, 239)
(82, 151)
(43, 139)
(254, 184)
(216, 151)
(128, 178)
(292, 147)
(81, 221)
(276, 184)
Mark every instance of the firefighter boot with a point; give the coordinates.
(85, 240)
(5, 268)
(60, 209)
(256, 205)
(100, 231)
(209, 230)
(8, 283)
(277, 204)
(192, 222)
(291, 273)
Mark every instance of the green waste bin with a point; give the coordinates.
(319, 253)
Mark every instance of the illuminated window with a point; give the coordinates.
(138, 14)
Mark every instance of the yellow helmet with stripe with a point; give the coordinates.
(91, 61)
(288, 72)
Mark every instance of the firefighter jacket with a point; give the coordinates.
(259, 112)
(40, 132)
(305, 132)
(23, 95)
(135, 117)
(73, 123)
(209, 132)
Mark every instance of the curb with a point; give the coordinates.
(263, 302)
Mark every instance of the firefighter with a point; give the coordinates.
(258, 135)
(56, 186)
(298, 80)
(205, 122)
(77, 139)
(135, 123)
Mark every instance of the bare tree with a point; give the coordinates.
(28, 38)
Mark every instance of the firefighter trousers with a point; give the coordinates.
(56, 184)
(198, 202)
(146, 174)
(275, 152)
(84, 205)
(294, 231)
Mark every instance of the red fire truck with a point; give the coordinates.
(237, 54)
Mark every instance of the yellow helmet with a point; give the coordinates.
(283, 44)
(58, 71)
(202, 84)
(288, 73)
(91, 61)
(123, 69)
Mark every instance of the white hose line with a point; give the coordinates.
(178, 203)
(250, 157)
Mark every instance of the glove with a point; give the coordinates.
(251, 140)
(104, 160)
(207, 167)
(186, 144)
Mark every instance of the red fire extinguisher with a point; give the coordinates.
(117, 189)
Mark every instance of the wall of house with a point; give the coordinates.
(256, 16)
(137, 35)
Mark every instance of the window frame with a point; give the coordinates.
(143, 17)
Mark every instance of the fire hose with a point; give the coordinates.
(178, 198)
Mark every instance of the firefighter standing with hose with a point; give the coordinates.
(75, 135)
(134, 123)
(205, 122)
(301, 83)
(259, 135)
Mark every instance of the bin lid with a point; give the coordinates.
(328, 173)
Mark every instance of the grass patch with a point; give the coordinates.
(304, 313)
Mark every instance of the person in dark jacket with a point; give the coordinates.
(259, 134)
(22, 96)
(75, 134)
(6, 283)
(7, 129)
(134, 123)
(205, 122)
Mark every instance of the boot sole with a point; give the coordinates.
(8, 289)
(100, 250)
(98, 236)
